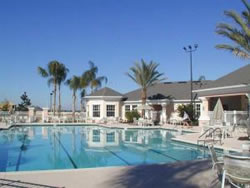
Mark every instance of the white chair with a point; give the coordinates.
(135, 121)
(217, 161)
(236, 170)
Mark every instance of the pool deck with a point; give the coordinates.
(193, 174)
(189, 174)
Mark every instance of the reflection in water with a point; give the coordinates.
(45, 132)
(91, 146)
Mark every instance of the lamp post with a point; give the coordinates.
(50, 102)
(189, 49)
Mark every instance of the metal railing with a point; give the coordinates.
(211, 135)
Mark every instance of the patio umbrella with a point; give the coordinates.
(144, 107)
(218, 113)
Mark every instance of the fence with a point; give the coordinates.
(38, 116)
(233, 117)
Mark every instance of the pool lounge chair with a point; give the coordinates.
(236, 171)
(217, 161)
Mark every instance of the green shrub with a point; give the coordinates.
(131, 115)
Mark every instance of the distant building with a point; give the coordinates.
(163, 97)
(234, 91)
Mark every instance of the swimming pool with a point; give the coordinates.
(69, 147)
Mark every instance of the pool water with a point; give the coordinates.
(69, 147)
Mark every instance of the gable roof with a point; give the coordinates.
(105, 92)
(167, 90)
(237, 77)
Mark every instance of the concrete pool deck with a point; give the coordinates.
(189, 174)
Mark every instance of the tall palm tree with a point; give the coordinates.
(145, 75)
(84, 83)
(51, 72)
(74, 85)
(62, 75)
(239, 35)
(92, 79)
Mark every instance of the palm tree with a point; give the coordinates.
(92, 79)
(62, 75)
(240, 35)
(82, 95)
(51, 72)
(83, 86)
(74, 85)
(145, 75)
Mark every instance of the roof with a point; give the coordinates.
(104, 92)
(167, 90)
(237, 77)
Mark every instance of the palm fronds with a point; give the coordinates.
(239, 33)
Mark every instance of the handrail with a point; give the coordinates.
(210, 134)
(205, 132)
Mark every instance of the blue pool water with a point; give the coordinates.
(67, 147)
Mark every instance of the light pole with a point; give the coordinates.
(50, 102)
(190, 50)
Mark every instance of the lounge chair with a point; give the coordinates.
(236, 170)
(217, 161)
(135, 121)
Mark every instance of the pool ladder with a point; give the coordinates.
(211, 136)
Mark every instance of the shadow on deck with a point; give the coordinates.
(191, 174)
(7, 183)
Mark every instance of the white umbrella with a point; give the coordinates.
(144, 107)
(218, 113)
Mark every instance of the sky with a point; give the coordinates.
(114, 34)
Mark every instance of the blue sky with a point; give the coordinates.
(113, 34)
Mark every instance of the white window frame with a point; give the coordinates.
(110, 110)
(96, 112)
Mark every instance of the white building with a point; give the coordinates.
(163, 97)
(104, 103)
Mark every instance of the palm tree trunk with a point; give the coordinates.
(143, 98)
(54, 106)
(81, 104)
(74, 106)
(59, 100)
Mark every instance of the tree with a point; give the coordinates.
(238, 34)
(23, 106)
(5, 106)
(91, 77)
(52, 73)
(62, 75)
(145, 75)
(74, 85)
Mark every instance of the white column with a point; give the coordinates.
(204, 117)
(31, 114)
(164, 114)
(45, 115)
(248, 128)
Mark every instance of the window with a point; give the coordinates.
(96, 110)
(110, 110)
(110, 137)
(96, 136)
(198, 110)
(127, 108)
(134, 107)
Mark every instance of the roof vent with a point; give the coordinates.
(168, 82)
(182, 82)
